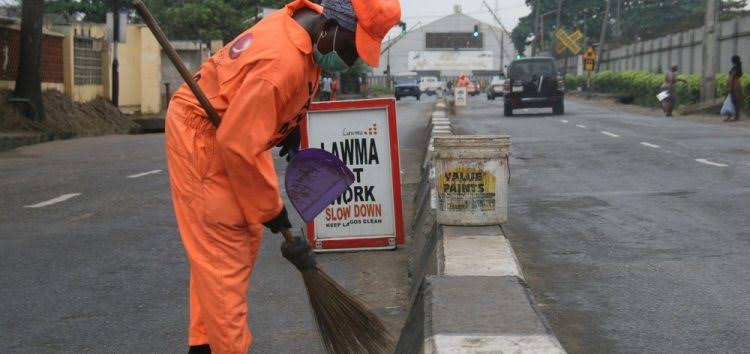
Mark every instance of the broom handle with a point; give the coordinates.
(288, 237)
(197, 91)
(176, 61)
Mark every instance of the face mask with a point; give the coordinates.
(330, 61)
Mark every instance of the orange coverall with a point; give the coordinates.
(223, 181)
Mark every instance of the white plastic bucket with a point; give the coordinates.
(471, 179)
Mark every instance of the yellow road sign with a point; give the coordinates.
(589, 59)
(568, 41)
(589, 64)
(590, 53)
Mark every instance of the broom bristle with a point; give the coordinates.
(345, 324)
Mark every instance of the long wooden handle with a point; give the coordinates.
(176, 61)
(288, 237)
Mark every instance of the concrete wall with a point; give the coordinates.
(142, 68)
(51, 61)
(150, 72)
(140, 71)
(129, 58)
(457, 22)
(684, 49)
(84, 93)
(11, 85)
(193, 54)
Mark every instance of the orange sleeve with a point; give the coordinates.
(246, 128)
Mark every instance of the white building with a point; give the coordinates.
(447, 47)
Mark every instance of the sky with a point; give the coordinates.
(509, 11)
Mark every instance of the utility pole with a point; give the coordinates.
(710, 50)
(618, 23)
(537, 12)
(257, 10)
(388, 66)
(557, 28)
(502, 39)
(115, 64)
(542, 30)
(603, 36)
(28, 88)
(503, 32)
(502, 50)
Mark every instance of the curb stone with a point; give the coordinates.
(10, 141)
(468, 293)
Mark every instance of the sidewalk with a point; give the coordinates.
(653, 112)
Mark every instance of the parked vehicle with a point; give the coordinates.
(407, 85)
(534, 83)
(431, 85)
(473, 88)
(495, 88)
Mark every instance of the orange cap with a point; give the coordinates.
(374, 19)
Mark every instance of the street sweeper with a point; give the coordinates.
(224, 186)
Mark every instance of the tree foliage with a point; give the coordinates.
(640, 19)
(180, 19)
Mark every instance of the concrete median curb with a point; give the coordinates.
(468, 293)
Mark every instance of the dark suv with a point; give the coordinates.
(407, 85)
(534, 83)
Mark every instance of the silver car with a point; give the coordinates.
(495, 88)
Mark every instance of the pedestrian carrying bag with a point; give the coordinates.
(662, 95)
(728, 108)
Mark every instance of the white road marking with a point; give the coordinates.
(564, 121)
(610, 134)
(581, 126)
(711, 163)
(59, 199)
(144, 174)
(650, 145)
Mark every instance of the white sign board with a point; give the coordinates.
(451, 60)
(460, 96)
(363, 135)
(122, 34)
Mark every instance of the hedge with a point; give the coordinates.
(644, 86)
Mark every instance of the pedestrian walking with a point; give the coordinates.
(363, 88)
(670, 86)
(325, 89)
(334, 89)
(734, 87)
(223, 182)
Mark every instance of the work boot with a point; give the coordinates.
(200, 349)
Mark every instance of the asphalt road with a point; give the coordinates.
(103, 268)
(633, 231)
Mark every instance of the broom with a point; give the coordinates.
(344, 323)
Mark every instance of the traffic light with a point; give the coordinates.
(520, 55)
(476, 30)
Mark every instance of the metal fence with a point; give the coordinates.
(380, 80)
(87, 61)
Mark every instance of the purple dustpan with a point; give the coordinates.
(314, 179)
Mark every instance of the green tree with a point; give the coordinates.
(180, 19)
(641, 19)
